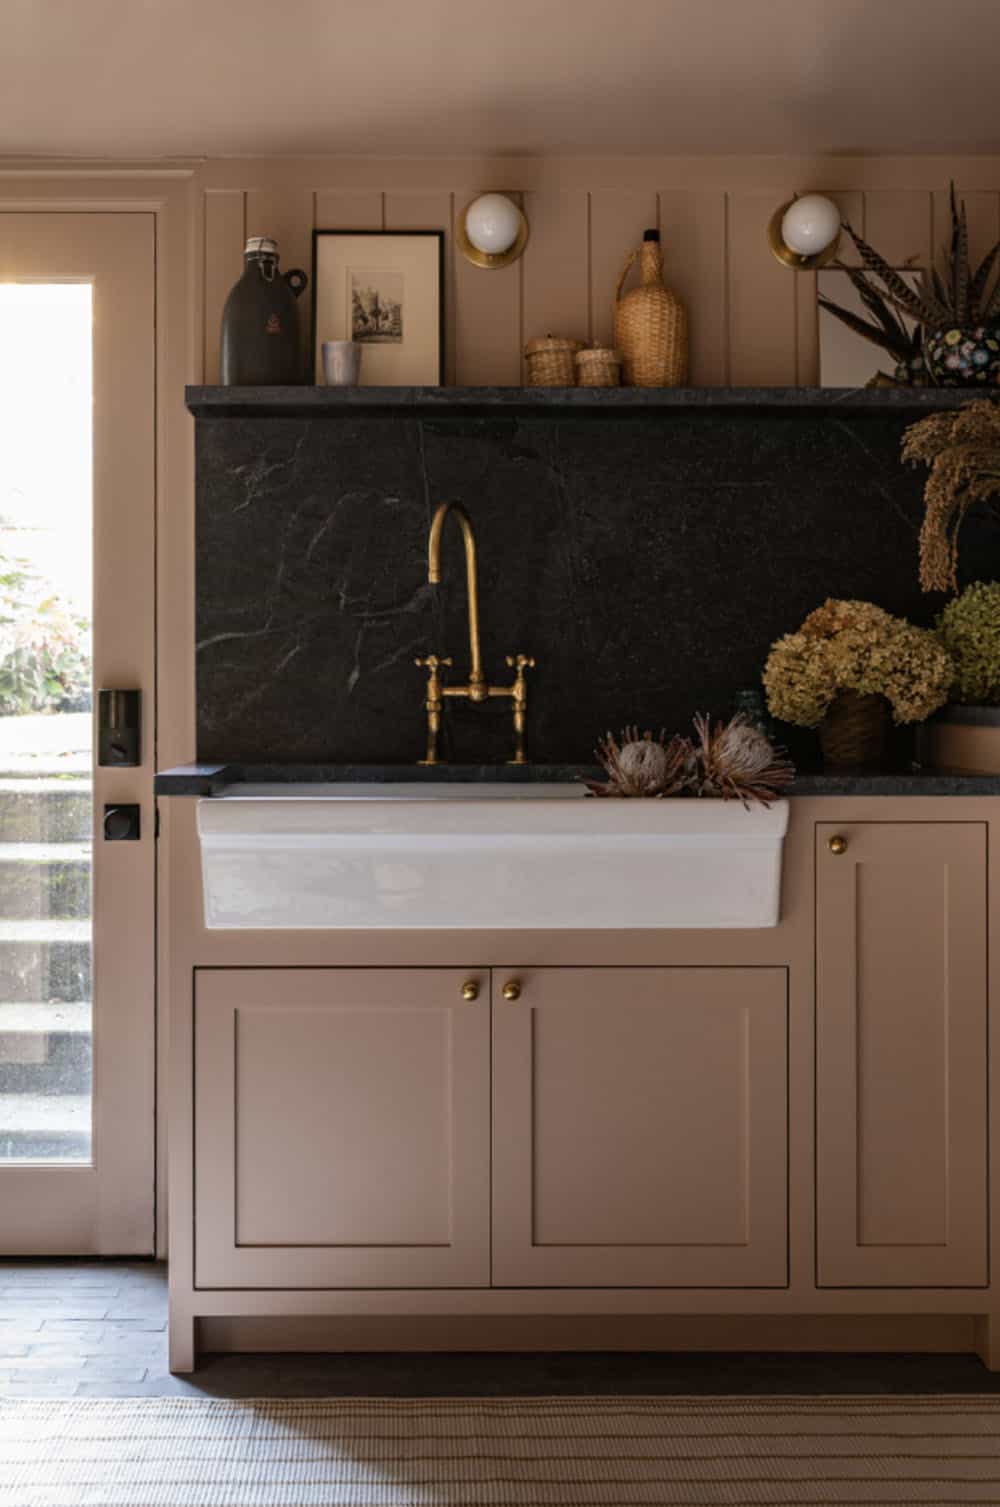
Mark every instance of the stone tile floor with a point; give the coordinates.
(99, 1329)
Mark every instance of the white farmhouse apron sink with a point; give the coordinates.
(488, 856)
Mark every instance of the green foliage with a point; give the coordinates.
(44, 648)
(969, 628)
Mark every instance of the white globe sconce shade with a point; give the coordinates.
(491, 231)
(805, 233)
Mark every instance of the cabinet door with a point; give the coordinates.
(640, 1127)
(341, 1128)
(901, 1054)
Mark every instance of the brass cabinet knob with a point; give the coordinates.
(470, 989)
(837, 844)
(512, 989)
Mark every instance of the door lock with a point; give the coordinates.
(119, 729)
(121, 823)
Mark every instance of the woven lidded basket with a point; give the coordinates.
(650, 323)
(550, 361)
(598, 366)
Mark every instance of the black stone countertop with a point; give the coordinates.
(208, 779)
(355, 402)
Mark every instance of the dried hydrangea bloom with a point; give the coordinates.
(856, 646)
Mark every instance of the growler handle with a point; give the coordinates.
(296, 280)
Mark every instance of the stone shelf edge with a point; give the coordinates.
(429, 402)
(209, 779)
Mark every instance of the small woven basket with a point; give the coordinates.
(598, 366)
(650, 323)
(550, 361)
(856, 731)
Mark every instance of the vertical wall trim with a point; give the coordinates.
(590, 271)
(726, 280)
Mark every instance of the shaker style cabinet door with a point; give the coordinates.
(341, 1127)
(901, 1054)
(640, 1127)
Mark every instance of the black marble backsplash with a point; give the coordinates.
(647, 561)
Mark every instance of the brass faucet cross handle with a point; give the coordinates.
(477, 689)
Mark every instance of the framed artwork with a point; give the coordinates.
(384, 289)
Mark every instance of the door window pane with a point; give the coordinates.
(46, 814)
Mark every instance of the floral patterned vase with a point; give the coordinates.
(964, 358)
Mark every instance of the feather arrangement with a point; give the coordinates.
(726, 760)
(956, 298)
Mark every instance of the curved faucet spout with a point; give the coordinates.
(478, 688)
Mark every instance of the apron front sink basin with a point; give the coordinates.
(484, 856)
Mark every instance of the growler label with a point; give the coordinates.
(273, 325)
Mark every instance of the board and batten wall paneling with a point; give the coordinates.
(617, 221)
(486, 318)
(225, 236)
(556, 267)
(752, 322)
(430, 211)
(693, 234)
(807, 372)
(762, 299)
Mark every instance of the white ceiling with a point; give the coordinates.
(150, 78)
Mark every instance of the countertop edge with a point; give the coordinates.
(207, 779)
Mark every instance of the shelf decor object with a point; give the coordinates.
(846, 668)
(651, 323)
(550, 361)
(598, 366)
(962, 450)
(966, 733)
(385, 291)
(492, 231)
(260, 321)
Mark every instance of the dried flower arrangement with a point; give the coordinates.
(969, 628)
(962, 449)
(856, 646)
(728, 760)
(955, 339)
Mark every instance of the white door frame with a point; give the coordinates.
(166, 194)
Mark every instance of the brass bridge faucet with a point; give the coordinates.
(478, 687)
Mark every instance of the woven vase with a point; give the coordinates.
(855, 733)
(650, 323)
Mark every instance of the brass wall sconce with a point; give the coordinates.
(804, 233)
(492, 231)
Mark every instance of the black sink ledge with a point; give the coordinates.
(474, 402)
(209, 779)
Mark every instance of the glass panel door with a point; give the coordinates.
(77, 589)
(46, 790)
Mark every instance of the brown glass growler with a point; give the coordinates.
(260, 322)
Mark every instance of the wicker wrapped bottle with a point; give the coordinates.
(651, 323)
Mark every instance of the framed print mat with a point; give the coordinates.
(384, 290)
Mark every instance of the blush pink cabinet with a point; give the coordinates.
(640, 1127)
(901, 1053)
(342, 1134)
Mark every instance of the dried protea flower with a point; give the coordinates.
(736, 761)
(642, 765)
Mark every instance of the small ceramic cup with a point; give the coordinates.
(341, 363)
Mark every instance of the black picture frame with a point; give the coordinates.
(319, 234)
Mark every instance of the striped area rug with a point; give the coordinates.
(527, 1452)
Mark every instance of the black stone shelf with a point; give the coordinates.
(477, 402)
(209, 779)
